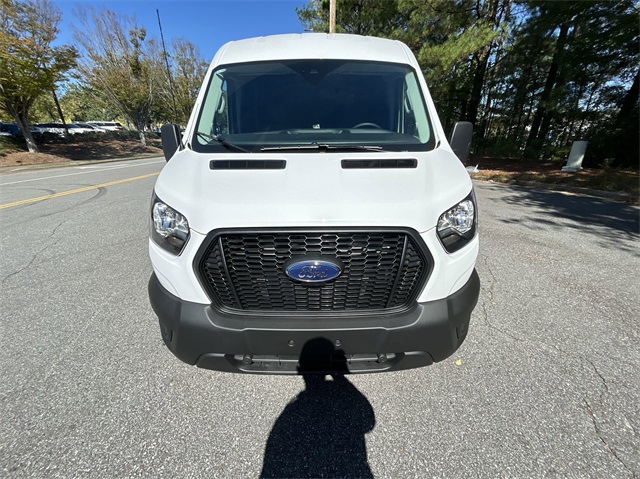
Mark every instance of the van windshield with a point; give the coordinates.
(305, 103)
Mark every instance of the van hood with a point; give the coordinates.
(313, 189)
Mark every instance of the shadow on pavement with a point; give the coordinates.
(321, 432)
(610, 221)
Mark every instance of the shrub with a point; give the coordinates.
(9, 144)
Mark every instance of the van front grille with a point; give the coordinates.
(246, 270)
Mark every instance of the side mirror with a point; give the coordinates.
(171, 137)
(461, 139)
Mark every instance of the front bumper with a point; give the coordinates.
(426, 333)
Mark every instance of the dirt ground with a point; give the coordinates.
(505, 170)
(81, 151)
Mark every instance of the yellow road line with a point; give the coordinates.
(77, 190)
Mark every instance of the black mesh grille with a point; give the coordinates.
(246, 271)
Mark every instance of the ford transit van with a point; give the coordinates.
(313, 194)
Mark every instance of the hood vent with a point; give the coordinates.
(380, 164)
(247, 164)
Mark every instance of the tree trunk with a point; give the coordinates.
(23, 123)
(493, 11)
(64, 123)
(549, 85)
(478, 83)
(143, 139)
(626, 127)
(586, 110)
(629, 102)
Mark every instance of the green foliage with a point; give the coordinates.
(439, 59)
(585, 54)
(80, 102)
(443, 34)
(43, 109)
(178, 86)
(360, 17)
(29, 65)
(533, 75)
(116, 62)
(129, 74)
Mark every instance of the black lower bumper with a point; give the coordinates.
(426, 333)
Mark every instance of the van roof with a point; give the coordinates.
(314, 46)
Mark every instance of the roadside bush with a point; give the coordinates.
(501, 148)
(9, 144)
(557, 154)
(92, 137)
(47, 138)
(620, 148)
(123, 135)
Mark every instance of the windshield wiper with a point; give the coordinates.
(222, 141)
(323, 147)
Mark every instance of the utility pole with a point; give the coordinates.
(332, 16)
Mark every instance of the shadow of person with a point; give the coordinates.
(321, 432)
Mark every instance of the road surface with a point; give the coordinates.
(546, 384)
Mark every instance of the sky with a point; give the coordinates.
(208, 24)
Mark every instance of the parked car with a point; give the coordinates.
(53, 128)
(9, 129)
(92, 128)
(59, 128)
(12, 129)
(107, 125)
(78, 128)
(314, 196)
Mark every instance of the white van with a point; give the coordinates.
(313, 200)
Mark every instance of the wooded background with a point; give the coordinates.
(531, 75)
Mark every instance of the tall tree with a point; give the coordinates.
(443, 34)
(360, 17)
(29, 65)
(594, 44)
(179, 84)
(116, 62)
(514, 81)
(494, 15)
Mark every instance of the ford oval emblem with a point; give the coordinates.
(313, 271)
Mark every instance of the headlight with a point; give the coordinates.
(457, 226)
(169, 229)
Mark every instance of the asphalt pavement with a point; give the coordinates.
(546, 384)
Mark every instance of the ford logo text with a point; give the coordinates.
(313, 271)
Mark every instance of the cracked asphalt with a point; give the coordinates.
(546, 384)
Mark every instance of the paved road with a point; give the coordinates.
(546, 384)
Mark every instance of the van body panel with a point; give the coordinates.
(312, 189)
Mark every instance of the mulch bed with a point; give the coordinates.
(82, 151)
